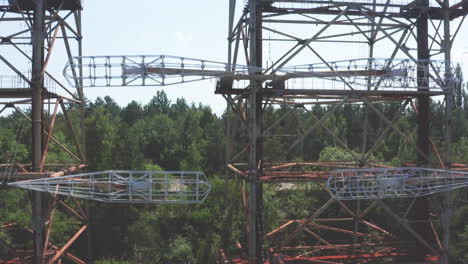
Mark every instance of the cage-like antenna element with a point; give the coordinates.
(126, 186)
(379, 183)
(162, 70)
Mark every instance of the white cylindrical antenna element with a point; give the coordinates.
(381, 183)
(127, 186)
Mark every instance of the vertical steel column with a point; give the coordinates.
(80, 88)
(38, 204)
(259, 119)
(83, 128)
(255, 119)
(420, 213)
(232, 8)
(423, 100)
(446, 201)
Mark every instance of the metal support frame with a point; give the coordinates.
(38, 202)
(446, 202)
(44, 25)
(254, 106)
(408, 30)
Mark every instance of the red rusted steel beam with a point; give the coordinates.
(458, 166)
(68, 244)
(54, 250)
(74, 213)
(344, 257)
(319, 238)
(296, 173)
(13, 261)
(289, 222)
(377, 228)
(8, 225)
(78, 205)
(294, 176)
(72, 129)
(436, 235)
(342, 246)
(356, 256)
(69, 170)
(315, 164)
(289, 260)
(25, 165)
(50, 222)
(385, 250)
(49, 135)
(277, 230)
(329, 259)
(28, 252)
(74, 258)
(236, 170)
(22, 168)
(333, 219)
(315, 215)
(339, 230)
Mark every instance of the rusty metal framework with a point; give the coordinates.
(126, 186)
(277, 35)
(412, 37)
(30, 33)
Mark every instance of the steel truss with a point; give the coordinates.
(126, 186)
(397, 75)
(398, 31)
(31, 31)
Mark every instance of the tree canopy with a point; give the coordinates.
(165, 135)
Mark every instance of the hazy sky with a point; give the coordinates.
(196, 29)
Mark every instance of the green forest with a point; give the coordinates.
(178, 135)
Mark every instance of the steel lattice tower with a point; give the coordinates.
(419, 31)
(31, 32)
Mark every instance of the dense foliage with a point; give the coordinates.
(179, 136)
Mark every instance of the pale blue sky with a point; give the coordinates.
(196, 29)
